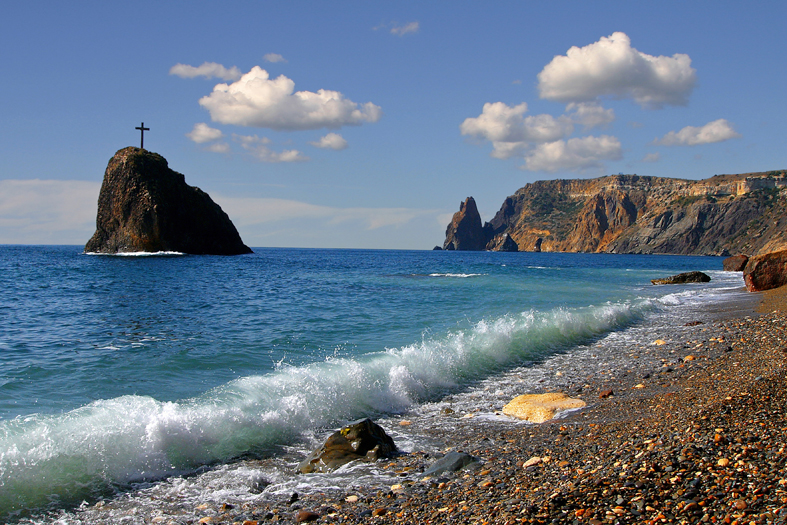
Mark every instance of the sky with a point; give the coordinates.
(365, 124)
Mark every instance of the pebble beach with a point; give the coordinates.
(702, 438)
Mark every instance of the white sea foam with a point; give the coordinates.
(88, 450)
(459, 275)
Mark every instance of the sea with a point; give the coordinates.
(129, 379)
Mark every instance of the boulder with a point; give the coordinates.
(767, 271)
(360, 440)
(736, 263)
(538, 408)
(144, 206)
(465, 231)
(683, 278)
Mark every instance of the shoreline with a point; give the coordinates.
(633, 457)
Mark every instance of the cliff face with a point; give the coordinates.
(635, 214)
(145, 206)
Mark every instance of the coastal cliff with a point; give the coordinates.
(744, 213)
(144, 206)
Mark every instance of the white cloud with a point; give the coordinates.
(574, 154)
(208, 70)
(716, 131)
(203, 133)
(218, 147)
(611, 67)
(251, 211)
(273, 58)
(411, 27)
(47, 211)
(258, 147)
(652, 157)
(510, 131)
(257, 101)
(590, 114)
(332, 141)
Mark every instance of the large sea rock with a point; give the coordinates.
(465, 231)
(362, 440)
(144, 206)
(767, 271)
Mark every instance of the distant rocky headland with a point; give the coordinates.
(144, 206)
(725, 214)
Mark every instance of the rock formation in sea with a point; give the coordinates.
(684, 278)
(735, 263)
(465, 231)
(144, 206)
(744, 214)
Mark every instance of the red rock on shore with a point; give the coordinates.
(765, 272)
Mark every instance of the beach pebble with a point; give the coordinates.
(606, 393)
(532, 462)
(306, 516)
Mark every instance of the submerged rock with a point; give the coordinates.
(683, 278)
(360, 440)
(538, 408)
(144, 206)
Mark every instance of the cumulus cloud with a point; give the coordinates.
(208, 70)
(652, 157)
(612, 68)
(257, 101)
(590, 114)
(332, 141)
(258, 147)
(716, 131)
(273, 58)
(574, 154)
(203, 133)
(510, 131)
(411, 27)
(47, 211)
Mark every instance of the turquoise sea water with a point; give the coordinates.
(120, 369)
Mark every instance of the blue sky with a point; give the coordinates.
(364, 124)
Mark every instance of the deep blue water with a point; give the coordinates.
(115, 369)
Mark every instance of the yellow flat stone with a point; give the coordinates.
(538, 408)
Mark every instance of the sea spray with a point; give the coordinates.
(58, 460)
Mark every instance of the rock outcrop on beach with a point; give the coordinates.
(766, 271)
(684, 278)
(144, 206)
(735, 263)
(724, 214)
(362, 440)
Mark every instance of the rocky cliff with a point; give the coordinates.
(744, 213)
(145, 206)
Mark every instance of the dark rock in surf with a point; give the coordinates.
(736, 263)
(684, 278)
(360, 440)
(144, 206)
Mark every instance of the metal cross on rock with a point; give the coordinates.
(142, 129)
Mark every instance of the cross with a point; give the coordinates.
(142, 129)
